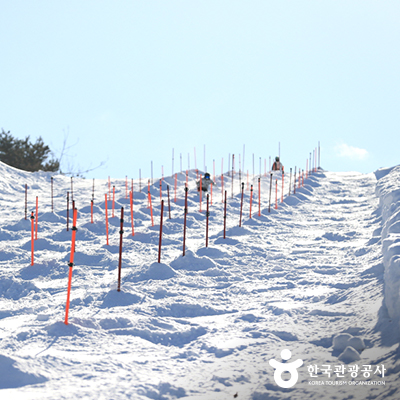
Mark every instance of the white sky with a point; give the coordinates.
(131, 80)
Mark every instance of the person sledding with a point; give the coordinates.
(206, 182)
(277, 165)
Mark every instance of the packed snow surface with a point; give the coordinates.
(316, 279)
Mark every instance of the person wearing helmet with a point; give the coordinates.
(277, 165)
(205, 183)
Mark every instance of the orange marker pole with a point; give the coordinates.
(251, 198)
(131, 202)
(259, 197)
(169, 204)
(32, 238)
(36, 220)
(151, 210)
(113, 202)
(241, 205)
(121, 233)
(71, 263)
(276, 194)
(106, 217)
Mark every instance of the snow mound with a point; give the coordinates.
(12, 377)
(11, 288)
(349, 355)
(155, 271)
(115, 299)
(190, 262)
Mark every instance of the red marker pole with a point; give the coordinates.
(270, 190)
(169, 204)
(32, 238)
(71, 263)
(225, 216)
(161, 224)
(207, 215)
(106, 212)
(121, 233)
(184, 219)
(259, 197)
(276, 194)
(241, 206)
(36, 220)
(91, 210)
(131, 202)
(251, 198)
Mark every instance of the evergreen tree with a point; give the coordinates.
(22, 154)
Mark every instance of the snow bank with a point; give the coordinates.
(388, 191)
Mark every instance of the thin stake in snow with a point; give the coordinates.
(121, 233)
(225, 216)
(113, 202)
(251, 198)
(184, 219)
(91, 211)
(71, 263)
(131, 202)
(241, 206)
(52, 204)
(151, 209)
(169, 204)
(106, 212)
(259, 197)
(36, 220)
(207, 215)
(161, 224)
(26, 201)
(32, 238)
(67, 211)
(160, 190)
(176, 185)
(200, 192)
(276, 194)
(270, 189)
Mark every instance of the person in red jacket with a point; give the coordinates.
(277, 165)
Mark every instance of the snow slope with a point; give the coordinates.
(318, 276)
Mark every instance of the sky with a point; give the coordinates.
(123, 85)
